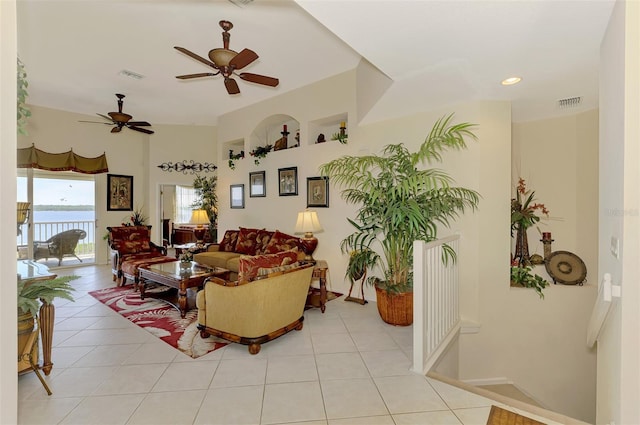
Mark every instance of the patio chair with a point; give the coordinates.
(59, 246)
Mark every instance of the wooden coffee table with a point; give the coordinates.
(173, 276)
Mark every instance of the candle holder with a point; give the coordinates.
(546, 242)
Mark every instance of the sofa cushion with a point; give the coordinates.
(215, 258)
(228, 243)
(282, 242)
(247, 241)
(249, 264)
(263, 238)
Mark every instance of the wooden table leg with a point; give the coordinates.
(141, 284)
(47, 318)
(323, 293)
(182, 298)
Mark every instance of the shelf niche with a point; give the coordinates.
(233, 147)
(269, 132)
(328, 127)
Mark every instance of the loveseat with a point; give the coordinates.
(257, 310)
(130, 249)
(247, 242)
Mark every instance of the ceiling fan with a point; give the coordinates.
(226, 62)
(119, 120)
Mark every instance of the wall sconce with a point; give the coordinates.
(199, 218)
(308, 223)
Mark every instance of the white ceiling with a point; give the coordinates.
(436, 52)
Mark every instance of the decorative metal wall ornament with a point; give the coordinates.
(188, 167)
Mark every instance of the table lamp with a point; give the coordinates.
(308, 223)
(23, 214)
(199, 218)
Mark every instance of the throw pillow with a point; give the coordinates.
(248, 265)
(266, 271)
(262, 240)
(228, 243)
(282, 242)
(247, 241)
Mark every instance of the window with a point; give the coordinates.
(185, 197)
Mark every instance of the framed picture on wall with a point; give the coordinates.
(288, 181)
(119, 193)
(318, 192)
(257, 184)
(237, 195)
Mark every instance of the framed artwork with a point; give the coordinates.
(257, 184)
(237, 195)
(119, 193)
(288, 181)
(318, 192)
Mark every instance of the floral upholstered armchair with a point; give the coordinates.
(130, 247)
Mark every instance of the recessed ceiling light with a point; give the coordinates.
(511, 81)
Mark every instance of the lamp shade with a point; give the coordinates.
(308, 222)
(199, 217)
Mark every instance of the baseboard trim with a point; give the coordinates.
(487, 381)
(539, 411)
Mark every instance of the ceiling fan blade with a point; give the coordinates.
(116, 129)
(242, 59)
(97, 122)
(105, 117)
(196, 57)
(259, 79)
(231, 85)
(139, 123)
(202, 74)
(142, 130)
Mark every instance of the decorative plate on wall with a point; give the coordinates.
(566, 268)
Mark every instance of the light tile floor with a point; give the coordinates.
(345, 366)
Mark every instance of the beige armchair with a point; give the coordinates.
(255, 312)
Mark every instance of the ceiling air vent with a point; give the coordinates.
(131, 74)
(241, 3)
(569, 102)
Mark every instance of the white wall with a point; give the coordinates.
(128, 153)
(619, 346)
(8, 291)
(540, 344)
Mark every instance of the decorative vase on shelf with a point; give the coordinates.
(522, 245)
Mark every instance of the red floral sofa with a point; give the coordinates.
(246, 250)
(130, 249)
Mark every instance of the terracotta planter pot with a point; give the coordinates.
(395, 309)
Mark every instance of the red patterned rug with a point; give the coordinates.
(159, 318)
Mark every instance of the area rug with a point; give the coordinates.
(159, 318)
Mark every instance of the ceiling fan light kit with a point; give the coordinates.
(225, 61)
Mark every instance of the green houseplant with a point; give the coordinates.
(522, 276)
(23, 110)
(207, 200)
(30, 298)
(32, 295)
(399, 203)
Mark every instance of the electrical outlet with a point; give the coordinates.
(615, 247)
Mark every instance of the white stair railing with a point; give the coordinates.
(436, 313)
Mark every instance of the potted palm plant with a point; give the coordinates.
(31, 295)
(399, 203)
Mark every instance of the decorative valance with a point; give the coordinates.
(33, 157)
